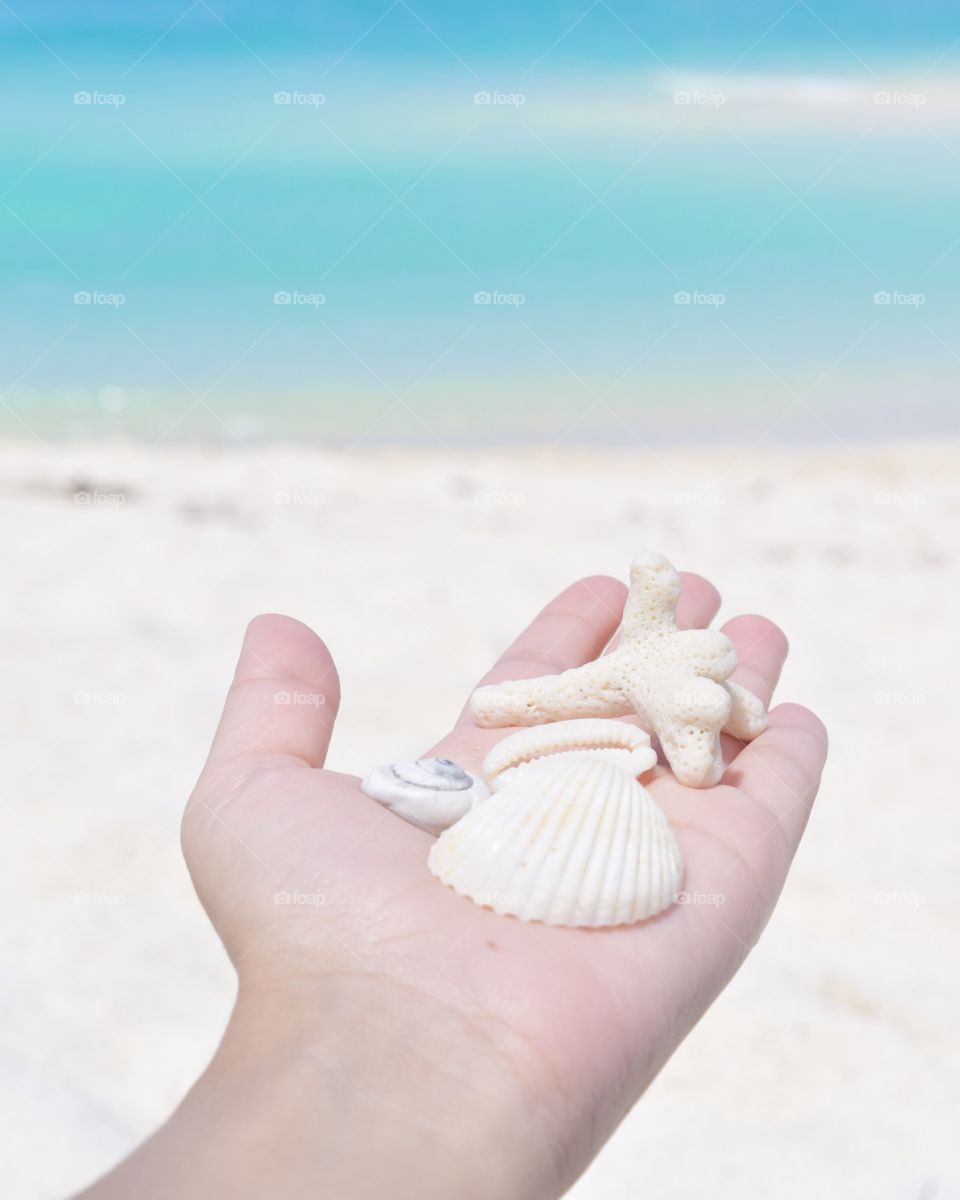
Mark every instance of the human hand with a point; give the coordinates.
(517, 1046)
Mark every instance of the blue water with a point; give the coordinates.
(181, 199)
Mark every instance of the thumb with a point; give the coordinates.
(282, 703)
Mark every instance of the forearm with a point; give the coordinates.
(353, 1094)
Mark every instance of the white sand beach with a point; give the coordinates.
(830, 1067)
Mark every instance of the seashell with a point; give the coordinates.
(431, 793)
(616, 742)
(575, 842)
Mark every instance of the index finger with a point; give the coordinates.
(572, 629)
(576, 626)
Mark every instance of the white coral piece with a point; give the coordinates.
(675, 681)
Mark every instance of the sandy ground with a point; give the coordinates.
(829, 1068)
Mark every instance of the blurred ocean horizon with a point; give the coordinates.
(414, 223)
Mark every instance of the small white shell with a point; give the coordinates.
(431, 793)
(574, 842)
(616, 742)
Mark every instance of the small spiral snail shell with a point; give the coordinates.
(431, 793)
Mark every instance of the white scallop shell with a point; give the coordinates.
(431, 793)
(574, 842)
(616, 742)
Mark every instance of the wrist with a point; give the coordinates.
(380, 1089)
(354, 1087)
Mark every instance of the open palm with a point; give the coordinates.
(304, 876)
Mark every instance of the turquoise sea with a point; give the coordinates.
(433, 223)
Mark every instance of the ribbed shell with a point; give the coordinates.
(576, 843)
(624, 745)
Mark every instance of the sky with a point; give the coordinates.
(437, 221)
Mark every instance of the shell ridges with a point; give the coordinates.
(576, 842)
